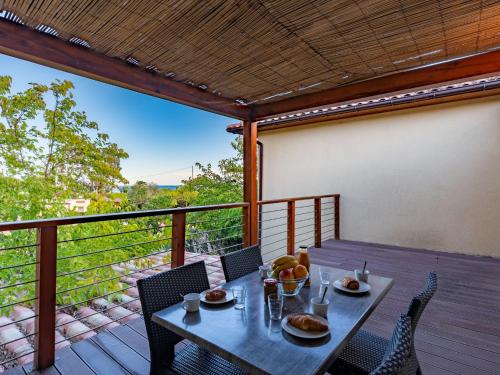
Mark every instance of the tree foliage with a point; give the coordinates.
(56, 143)
(50, 151)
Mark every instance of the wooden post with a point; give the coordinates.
(45, 320)
(250, 182)
(290, 233)
(178, 238)
(336, 219)
(317, 222)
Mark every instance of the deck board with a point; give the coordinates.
(459, 333)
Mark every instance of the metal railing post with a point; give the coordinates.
(45, 320)
(317, 222)
(290, 233)
(178, 238)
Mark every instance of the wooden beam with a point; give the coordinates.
(486, 63)
(250, 181)
(45, 319)
(25, 43)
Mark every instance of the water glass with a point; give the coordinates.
(275, 303)
(325, 277)
(239, 295)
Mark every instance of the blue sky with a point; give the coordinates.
(163, 139)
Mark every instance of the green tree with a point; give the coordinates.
(140, 193)
(217, 231)
(66, 150)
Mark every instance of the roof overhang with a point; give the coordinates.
(451, 92)
(258, 59)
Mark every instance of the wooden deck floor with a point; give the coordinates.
(459, 333)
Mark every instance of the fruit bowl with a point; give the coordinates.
(291, 287)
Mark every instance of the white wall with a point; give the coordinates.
(427, 177)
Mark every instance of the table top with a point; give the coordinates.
(258, 345)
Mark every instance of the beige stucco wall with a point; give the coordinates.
(426, 177)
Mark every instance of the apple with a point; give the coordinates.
(287, 274)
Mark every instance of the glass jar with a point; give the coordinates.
(270, 287)
(303, 258)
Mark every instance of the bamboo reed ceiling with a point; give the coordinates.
(263, 51)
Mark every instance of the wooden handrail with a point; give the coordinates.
(285, 200)
(41, 223)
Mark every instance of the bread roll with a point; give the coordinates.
(215, 294)
(350, 283)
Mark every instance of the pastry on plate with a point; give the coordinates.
(215, 295)
(307, 323)
(350, 283)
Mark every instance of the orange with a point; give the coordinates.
(300, 271)
(289, 286)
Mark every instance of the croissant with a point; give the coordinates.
(306, 322)
(350, 283)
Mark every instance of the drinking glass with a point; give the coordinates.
(275, 303)
(239, 295)
(325, 277)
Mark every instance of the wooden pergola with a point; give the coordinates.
(251, 59)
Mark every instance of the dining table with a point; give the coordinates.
(259, 345)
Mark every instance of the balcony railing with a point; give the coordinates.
(64, 279)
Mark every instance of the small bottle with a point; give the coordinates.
(303, 258)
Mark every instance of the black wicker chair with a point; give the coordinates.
(161, 291)
(366, 349)
(241, 262)
(395, 360)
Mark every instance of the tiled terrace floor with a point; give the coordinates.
(459, 333)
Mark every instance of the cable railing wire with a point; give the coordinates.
(20, 338)
(217, 229)
(269, 211)
(97, 327)
(18, 247)
(113, 249)
(113, 234)
(113, 278)
(18, 266)
(274, 226)
(274, 218)
(64, 307)
(18, 303)
(18, 284)
(111, 264)
(101, 311)
(18, 357)
(213, 220)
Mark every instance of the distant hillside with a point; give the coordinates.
(169, 187)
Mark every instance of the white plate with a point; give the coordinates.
(304, 334)
(363, 287)
(226, 299)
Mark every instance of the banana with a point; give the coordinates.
(283, 259)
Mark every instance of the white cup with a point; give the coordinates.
(360, 276)
(319, 308)
(191, 302)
